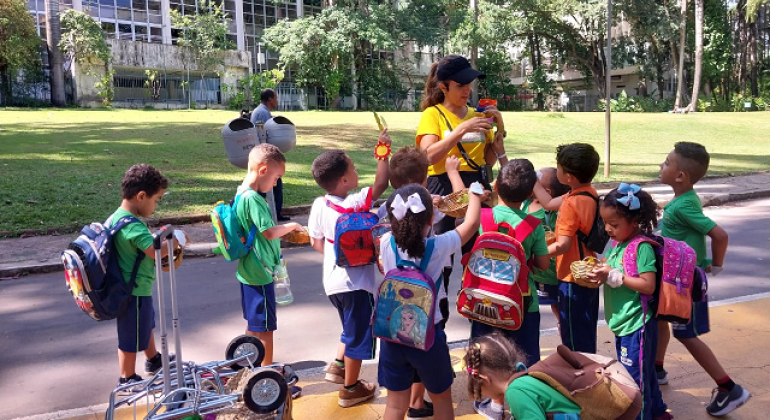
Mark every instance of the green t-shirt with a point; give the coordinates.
(683, 220)
(623, 306)
(253, 210)
(129, 241)
(530, 398)
(533, 244)
(548, 218)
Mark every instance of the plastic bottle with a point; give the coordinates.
(283, 295)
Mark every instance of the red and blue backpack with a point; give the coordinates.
(353, 242)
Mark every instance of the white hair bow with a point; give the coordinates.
(400, 207)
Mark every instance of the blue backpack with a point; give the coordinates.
(406, 301)
(92, 273)
(233, 243)
(353, 241)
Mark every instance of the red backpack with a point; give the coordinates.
(353, 242)
(495, 289)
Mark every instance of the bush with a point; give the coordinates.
(636, 104)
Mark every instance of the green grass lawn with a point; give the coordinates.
(63, 167)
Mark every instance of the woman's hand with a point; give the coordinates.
(474, 125)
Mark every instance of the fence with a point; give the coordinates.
(27, 90)
(131, 86)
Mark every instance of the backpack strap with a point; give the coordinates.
(123, 222)
(629, 255)
(253, 230)
(424, 261)
(580, 234)
(525, 228)
(488, 220)
(364, 208)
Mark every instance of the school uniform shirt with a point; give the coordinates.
(623, 306)
(548, 218)
(683, 220)
(577, 212)
(321, 225)
(444, 246)
(533, 244)
(253, 210)
(432, 123)
(133, 238)
(530, 398)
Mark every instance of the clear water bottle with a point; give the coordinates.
(283, 295)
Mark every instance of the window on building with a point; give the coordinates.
(109, 29)
(124, 31)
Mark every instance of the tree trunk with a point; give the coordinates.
(5, 85)
(680, 70)
(742, 46)
(55, 62)
(753, 58)
(698, 54)
(658, 66)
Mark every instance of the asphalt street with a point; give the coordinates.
(53, 357)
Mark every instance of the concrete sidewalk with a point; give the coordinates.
(40, 254)
(742, 351)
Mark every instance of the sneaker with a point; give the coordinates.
(487, 410)
(363, 391)
(155, 363)
(335, 373)
(725, 402)
(296, 392)
(662, 377)
(130, 380)
(420, 413)
(665, 416)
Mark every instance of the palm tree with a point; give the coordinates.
(680, 69)
(698, 54)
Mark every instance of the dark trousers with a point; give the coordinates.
(278, 195)
(440, 185)
(578, 316)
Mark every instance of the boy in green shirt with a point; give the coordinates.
(515, 182)
(266, 165)
(142, 188)
(683, 220)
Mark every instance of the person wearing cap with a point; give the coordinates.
(446, 122)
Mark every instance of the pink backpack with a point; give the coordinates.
(675, 263)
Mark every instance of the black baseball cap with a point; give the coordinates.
(457, 68)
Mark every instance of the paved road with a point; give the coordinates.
(53, 358)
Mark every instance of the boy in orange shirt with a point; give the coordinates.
(576, 165)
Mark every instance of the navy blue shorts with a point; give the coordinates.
(355, 309)
(699, 322)
(135, 325)
(258, 304)
(578, 316)
(527, 338)
(399, 365)
(547, 294)
(637, 353)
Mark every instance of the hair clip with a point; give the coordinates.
(472, 371)
(630, 200)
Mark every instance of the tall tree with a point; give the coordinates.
(83, 43)
(699, 9)
(679, 100)
(55, 62)
(204, 34)
(19, 44)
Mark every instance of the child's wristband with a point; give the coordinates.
(614, 278)
(504, 155)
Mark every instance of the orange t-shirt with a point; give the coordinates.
(577, 212)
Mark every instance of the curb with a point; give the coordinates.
(203, 250)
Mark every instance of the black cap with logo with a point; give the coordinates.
(457, 68)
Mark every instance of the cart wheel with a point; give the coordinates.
(245, 344)
(265, 391)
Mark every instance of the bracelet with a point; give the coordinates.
(381, 151)
(504, 155)
(615, 278)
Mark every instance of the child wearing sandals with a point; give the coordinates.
(410, 210)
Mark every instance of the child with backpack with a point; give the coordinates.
(255, 269)
(630, 215)
(142, 187)
(683, 220)
(578, 225)
(411, 343)
(514, 185)
(546, 282)
(409, 165)
(492, 361)
(348, 285)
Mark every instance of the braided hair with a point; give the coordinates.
(492, 352)
(408, 231)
